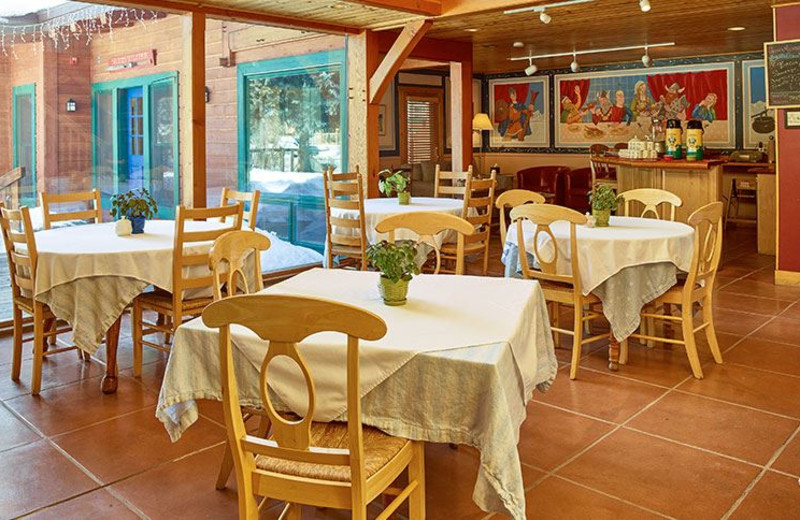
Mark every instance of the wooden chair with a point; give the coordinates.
(451, 184)
(90, 197)
(511, 199)
(22, 257)
(176, 305)
(333, 465)
(601, 173)
(477, 210)
(651, 198)
(697, 288)
(426, 224)
(227, 260)
(230, 196)
(346, 237)
(559, 289)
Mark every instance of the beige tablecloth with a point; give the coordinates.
(448, 371)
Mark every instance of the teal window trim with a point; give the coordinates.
(22, 90)
(276, 67)
(116, 87)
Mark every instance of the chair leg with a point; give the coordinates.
(168, 336)
(486, 258)
(687, 325)
(53, 327)
(577, 338)
(623, 352)
(294, 512)
(16, 364)
(711, 332)
(38, 348)
(136, 325)
(48, 326)
(555, 320)
(416, 471)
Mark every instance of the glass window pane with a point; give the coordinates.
(162, 147)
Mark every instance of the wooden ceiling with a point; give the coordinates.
(698, 27)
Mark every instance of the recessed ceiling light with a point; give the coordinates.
(471, 30)
(737, 28)
(518, 45)
(339, 5)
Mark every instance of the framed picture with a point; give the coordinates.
(520, 112)
(759, 121)
(382, 120)
(614, 106)
(792, 119)
(387, 136)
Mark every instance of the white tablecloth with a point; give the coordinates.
(626, 265)
(447, 371)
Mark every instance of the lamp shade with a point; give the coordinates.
(481, 122)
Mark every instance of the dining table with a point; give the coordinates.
(88, 275)
(626, 265)
(458, 365)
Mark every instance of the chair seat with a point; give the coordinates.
(346, 250)
(26, 304)
(675, 293)
(160, 299)
(563, 293)
(452, 249)
(379, 450)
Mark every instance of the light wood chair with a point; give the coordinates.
(511, 199)
(451, 184)
(175, 305)
(651, 198)
(230, 196)
(477, 210)
(697, 288)
(227, 260)
(333, 465)
(91, 197)
(559, 289)
(427, 224)
(22, 256)
(346, 237)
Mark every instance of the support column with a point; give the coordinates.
(193, 111)
(362, 116)
(47, 111)
(461, 114)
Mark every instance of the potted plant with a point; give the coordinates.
(136, 206)
(395, 183)
(397, 262)
(603, 200)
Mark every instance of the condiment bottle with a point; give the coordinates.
(674, 139)
(694, 140)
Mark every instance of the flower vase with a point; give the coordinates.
(137, 223)
(602, 216)
(404, 198)
(393, 293)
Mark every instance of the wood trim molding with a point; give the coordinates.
(423, 7)
(402, 47)
(787, 278)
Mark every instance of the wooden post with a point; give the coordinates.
(461, 114)
(193, 111)
(362, 116)
(47, 111)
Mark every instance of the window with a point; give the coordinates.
(421, 124)
(24, 145)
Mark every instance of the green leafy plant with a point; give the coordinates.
(134, 203)
(604, 197)
(395, 260)
(394, 183)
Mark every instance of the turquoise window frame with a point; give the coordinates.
(115, 87)
(23, 90)
(276, 67)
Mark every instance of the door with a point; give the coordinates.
(24, 142)
(134, 116)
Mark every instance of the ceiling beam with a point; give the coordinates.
(423, 7)
(464, 7)
(400, 50)
(416, 64)
(231, 14)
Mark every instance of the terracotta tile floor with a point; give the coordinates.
(646, 442)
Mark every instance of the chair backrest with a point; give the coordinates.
(598, 149)
(230, 196)
(621, 146)
(542, 178)
(651, 198)
(184, 258)
(451, 184)
(478, 206)
(345, 191)
(95, 212)
(284, 321)
(707, 224)
(543, 216)
(21, 250)
(426, 224)
(227, 259)
(512, 199)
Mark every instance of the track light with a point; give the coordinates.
(531, 69)
(545, 18)
(646, 59)
(575, 53)
(644, 5)
(574, 66)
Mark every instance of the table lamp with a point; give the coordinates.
(482, 123)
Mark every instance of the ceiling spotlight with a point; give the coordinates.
(472, 30)
(646, 59)
(574, 66)
(644, 5)
(544, 17)
(518, 45)
(531, 69)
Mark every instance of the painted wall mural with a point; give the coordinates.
(520, 112)
(614, 106)
(758, 120)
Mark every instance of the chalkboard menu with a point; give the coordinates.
(783, 74)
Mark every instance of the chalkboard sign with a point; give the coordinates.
(783, 74)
